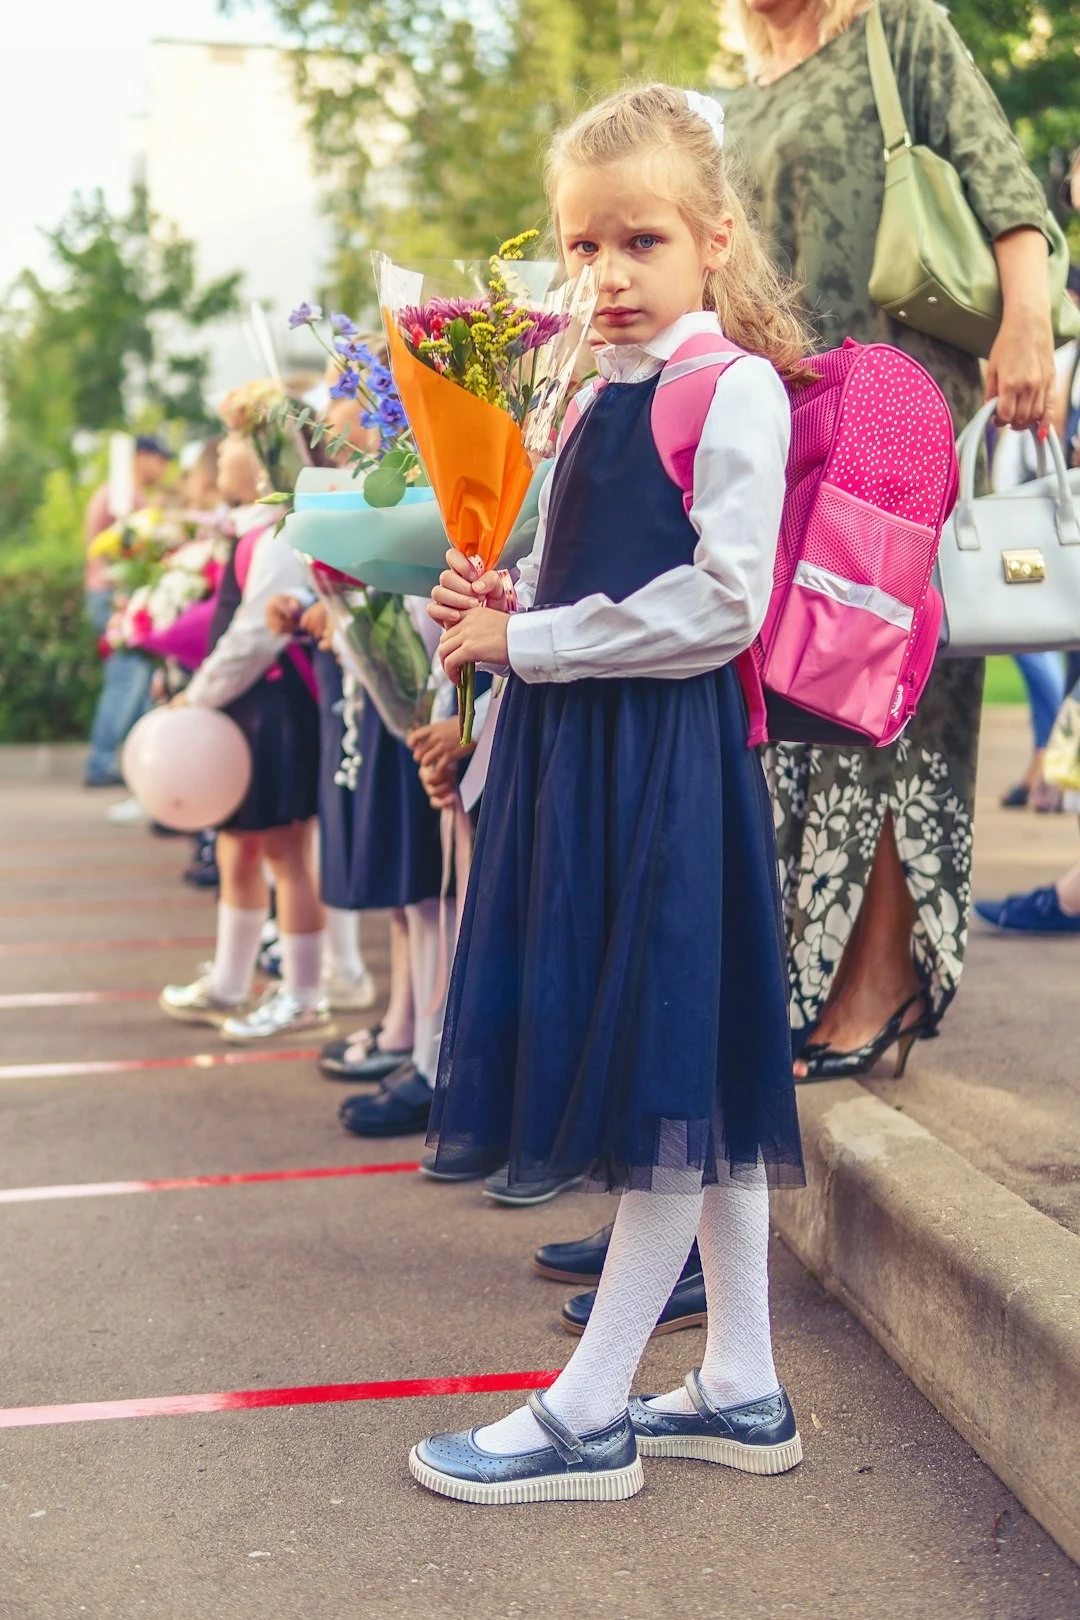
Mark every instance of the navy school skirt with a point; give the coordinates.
(618, 1002)
(280, 720)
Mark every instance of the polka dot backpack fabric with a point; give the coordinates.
(852, 628)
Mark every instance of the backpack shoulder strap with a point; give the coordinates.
(682, 400)
(581, 402)
(245, 552)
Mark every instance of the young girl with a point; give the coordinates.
(249, 675)
(618, 1004)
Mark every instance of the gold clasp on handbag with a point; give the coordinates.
(898, 146)
(1023, 567)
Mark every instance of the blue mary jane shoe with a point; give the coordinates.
(599, 1467)
(758, 1439)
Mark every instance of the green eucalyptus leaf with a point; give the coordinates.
(385, 486)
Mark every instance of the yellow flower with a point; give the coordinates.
(109, 543)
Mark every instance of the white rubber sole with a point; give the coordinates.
(613, 1485)
(304, 1034)
(184, 1015)
(730, 1453)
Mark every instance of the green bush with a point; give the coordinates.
(50, 670)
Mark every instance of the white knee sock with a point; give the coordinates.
(422, 921)
(301, 967)
(239, 938)
(734, 1241)
(652, 1237)
(343, 944)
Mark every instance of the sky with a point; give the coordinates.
(73, 86)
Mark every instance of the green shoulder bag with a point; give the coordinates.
(934, 267)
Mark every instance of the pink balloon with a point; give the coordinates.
(188, 767)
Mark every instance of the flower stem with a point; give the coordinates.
(467, 703)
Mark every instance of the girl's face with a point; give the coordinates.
(238, 470)
(650, 267)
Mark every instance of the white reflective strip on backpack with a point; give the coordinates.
(698, 362)
(866, 597)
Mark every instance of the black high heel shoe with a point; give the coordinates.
(824, 1062)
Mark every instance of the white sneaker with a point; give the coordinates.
(128, 813)
(278, 1014)
(196, 1003)
(345, 995)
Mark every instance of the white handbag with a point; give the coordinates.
(1009, 565)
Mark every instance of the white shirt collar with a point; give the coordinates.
(633, 362)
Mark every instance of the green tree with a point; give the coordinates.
(431, 116)
(108, 330)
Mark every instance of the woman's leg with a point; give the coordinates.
(649, 1244)
(299, 910)
(877, 972)
(243, 907)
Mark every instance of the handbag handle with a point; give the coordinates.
(890, 108)
(967, 446)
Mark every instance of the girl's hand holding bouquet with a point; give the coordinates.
(460, 588)
(479, 638)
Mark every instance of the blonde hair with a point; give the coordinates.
(758, 306)
(834, 16)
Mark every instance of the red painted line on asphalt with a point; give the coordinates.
(201, 1060)
(70, 947)
(68, 908)
(247, 1400)
(72, 998)
(246, 1178)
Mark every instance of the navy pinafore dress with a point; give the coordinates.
(278, 716)
(618, 1003)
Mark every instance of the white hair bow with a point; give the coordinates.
(712, 112)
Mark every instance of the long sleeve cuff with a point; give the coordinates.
(530, 645)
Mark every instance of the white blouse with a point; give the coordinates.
(697, 617)
(248, 648)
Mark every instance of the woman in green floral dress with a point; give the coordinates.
(875, 844)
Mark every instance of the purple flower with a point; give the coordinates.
(391, 415)
(544, 327)
(304, 314)
(438, 309)
(380, 379)
(342, 324)
(347, 385)
(357, 353)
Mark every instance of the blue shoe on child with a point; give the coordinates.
(1036, 913)
(760, 1438)
(599, 1467)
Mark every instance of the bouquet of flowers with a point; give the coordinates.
(170, 617)
(381, 648)
(483, 357)
(134, 546)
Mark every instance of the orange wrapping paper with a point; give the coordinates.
(471, 451)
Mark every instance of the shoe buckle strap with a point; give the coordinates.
(564, 1441)
(698, 1397)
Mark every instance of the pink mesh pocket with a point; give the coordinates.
(857, 541)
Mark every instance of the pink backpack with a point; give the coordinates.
(852, 626)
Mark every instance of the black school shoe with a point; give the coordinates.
(600, 1467)
(760, 1438)
(401, 1107)
(376, 1065)
(583, 1260)
(685, 1308)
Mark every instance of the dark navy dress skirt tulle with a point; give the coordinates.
(618, 1002)
(335, 801)
(396, 852)
(280, 720)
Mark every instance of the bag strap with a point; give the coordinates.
(242, 559)
(890, 108)
(682, 401)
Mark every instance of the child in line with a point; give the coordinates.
(249, 674)
(618, 1003)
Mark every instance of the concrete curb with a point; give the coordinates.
(971, 1291)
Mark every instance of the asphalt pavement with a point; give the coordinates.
(320, 1319)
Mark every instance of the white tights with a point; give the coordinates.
(651, 1239)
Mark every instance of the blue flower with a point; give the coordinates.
(342, 324)
(380, 379)
(304, 314)
(357, 353)
(392, 416)
(347, 385)
(369, 419)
